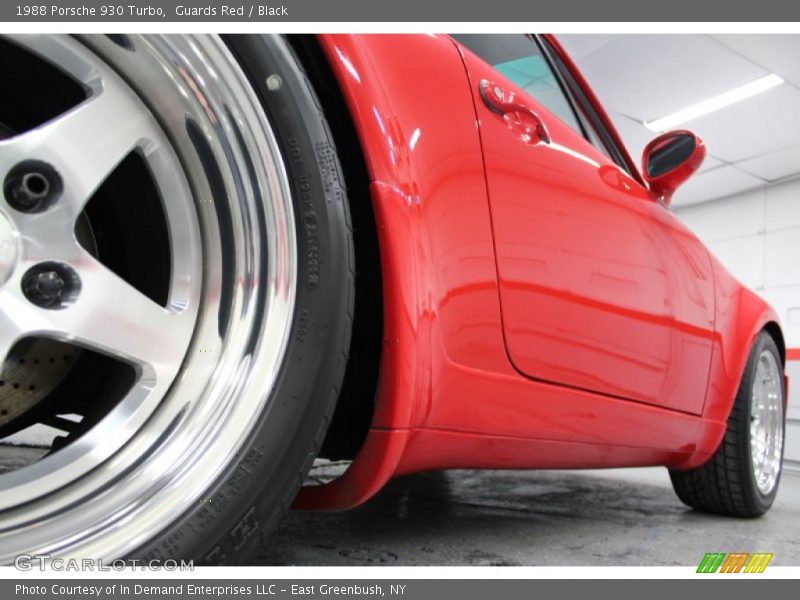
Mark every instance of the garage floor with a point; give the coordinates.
(617, 517)
(613, 517)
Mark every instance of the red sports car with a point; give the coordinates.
(222, 258)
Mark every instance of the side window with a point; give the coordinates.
(520, 60)
(597, 133)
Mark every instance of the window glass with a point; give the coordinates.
(520, 60)
(598, 136)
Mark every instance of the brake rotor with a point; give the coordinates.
(32, 370)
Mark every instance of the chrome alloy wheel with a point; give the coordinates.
(766, 422)
(205, 361)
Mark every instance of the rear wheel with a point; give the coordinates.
(741, 478)
(177, 285)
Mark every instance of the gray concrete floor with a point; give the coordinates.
(613, 517)
(14, 457)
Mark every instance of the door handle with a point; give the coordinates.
(519, 116)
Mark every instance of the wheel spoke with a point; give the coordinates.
(114, 318)
(83, 145)
(12, 326)
(123, 321)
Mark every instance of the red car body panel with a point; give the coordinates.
(449, 395)
(595, 278)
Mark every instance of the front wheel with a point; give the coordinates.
(177, 293)
(741, 478)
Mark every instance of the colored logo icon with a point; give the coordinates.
(734, 562)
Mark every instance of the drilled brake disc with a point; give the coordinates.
(30, 373)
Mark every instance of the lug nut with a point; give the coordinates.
(50, 285)
(32, 186)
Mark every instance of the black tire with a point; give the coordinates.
(726, 483)
(289, 433)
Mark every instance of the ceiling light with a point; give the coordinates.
(717, 102)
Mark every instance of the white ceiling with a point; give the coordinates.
(642, 77)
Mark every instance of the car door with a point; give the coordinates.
(601, 287)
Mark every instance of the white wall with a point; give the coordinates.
(756, 235)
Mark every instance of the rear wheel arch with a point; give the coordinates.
(776, 333)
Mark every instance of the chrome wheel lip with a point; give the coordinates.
(766, 422)
(241, 334)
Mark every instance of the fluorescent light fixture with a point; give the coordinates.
(710, 105)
